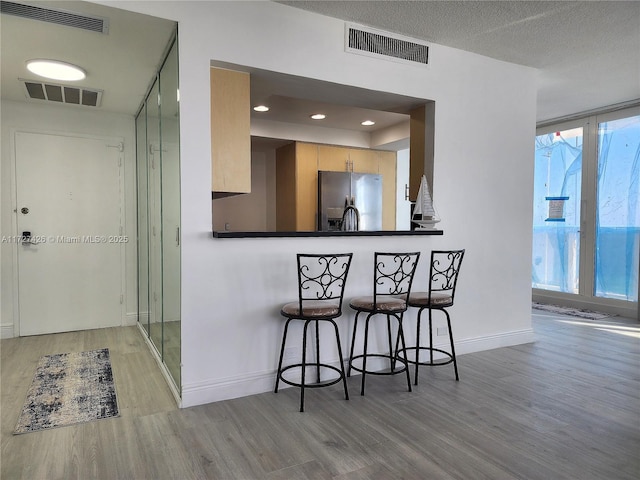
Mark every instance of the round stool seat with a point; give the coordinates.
(311, 309)
(384, 304)
(421, 299)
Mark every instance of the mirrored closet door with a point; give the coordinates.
(158, 186)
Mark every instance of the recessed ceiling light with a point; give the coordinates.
(318, 116)
(261, 108)
(56, 70)
(366, 123)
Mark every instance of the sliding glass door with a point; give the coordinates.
(586, 223)
(556, 222)
(618, 209)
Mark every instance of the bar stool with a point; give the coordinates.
(392, 278)
(321, 282)
(442, 281)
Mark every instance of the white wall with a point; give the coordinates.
(232, 290)
(63, 119)
(309, 133)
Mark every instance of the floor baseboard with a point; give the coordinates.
(6, 330)
(216, 390)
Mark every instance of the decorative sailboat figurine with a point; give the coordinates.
(424, 214)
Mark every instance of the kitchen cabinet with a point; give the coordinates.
(421, 148)
(387, 167)
(332, 159)
(297, 166)
(230, 132)
(343, 159)
(364, 161)
(296, 187)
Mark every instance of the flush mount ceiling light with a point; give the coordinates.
(56, 70)
(318, 116)
(261, 108)
(366, 123)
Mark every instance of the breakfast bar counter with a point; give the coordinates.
(337, 233)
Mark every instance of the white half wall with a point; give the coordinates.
(232, 289)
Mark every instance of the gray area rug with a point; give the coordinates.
(574, 312)
(69, 388)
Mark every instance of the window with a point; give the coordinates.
(556, 239)
(586, 218)
(618, 209)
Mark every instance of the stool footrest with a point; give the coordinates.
(327, 383)
(400, 360)
(435, 362)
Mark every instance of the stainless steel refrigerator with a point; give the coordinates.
(349, 201)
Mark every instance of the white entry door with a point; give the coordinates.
(68, 192)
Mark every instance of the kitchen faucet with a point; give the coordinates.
(351, 216)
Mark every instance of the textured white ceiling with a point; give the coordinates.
(122, 62)
(588, 52)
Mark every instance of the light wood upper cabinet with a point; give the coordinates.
(230, 132)
(344, 159)
(332, 158)
(363, 161)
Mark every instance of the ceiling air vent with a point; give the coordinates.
(368, 41)
(61, 17)
(62, 93)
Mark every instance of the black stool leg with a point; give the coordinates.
(430, 337)
(418, 346)
(392, 362)
(397, 350)
(344, 376)
(304, 363)
(284, 339)
(397, 345)
(353, 342)
(318, 350)
(364, 356)
(453, 349)
(404, 351)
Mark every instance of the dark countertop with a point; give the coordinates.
(377, 233)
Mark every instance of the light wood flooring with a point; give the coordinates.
(564, 407)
